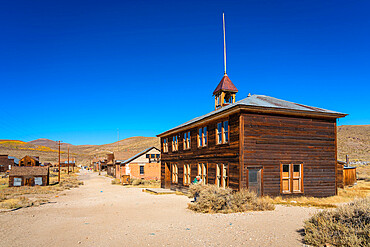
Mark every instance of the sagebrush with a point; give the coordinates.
(213, 199)
(347, 225)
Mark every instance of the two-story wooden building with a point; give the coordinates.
(265, 144)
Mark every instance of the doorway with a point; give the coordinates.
(167, 176)
(255, 180)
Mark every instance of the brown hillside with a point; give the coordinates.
(354, 140)
(82, 153)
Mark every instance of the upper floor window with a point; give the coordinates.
(165, 145)
(202, 137)
(187, 140)
(222, 132)
(175, 144)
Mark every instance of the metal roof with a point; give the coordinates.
(264, 102)
(138, 155)
(225, 85)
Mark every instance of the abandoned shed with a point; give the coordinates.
(29, 161)
(268, 145)
(7, 162)
(29, 176)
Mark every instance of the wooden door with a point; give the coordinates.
(28, 181)
(255, 180)
(167, 177)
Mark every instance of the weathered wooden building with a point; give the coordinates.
(29, 161)
(7, 162)
(265, 144)
(29, 176)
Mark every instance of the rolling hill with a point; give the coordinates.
(353, 140)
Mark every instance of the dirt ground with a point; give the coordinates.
(101, 214)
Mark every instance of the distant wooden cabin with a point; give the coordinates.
(268, 145)
(29, 161)
(346, 174)
(28, 176)
(7, 162)
(144, 165)
(111, 166)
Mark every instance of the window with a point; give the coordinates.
(17, 182)
(202, 172)
(202, 137)
(222, 179)
(219, 133)
(226, 132)
(187, 174)
(157, 156)
(165, 145)
(152, 156)
(141, 170)
(222, 132)
(147, 156)
(291, 178)
(38, 180)
(175, 170)
(175, 144)
(187, 140)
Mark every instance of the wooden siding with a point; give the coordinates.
(211, 155)
(270, 140)
(349, 176)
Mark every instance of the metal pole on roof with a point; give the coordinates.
(223, 22)
(59, 163)
(68, 158)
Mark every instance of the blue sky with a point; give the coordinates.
(77, 70)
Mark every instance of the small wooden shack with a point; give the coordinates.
(29, 161)
(6, 163)
(29, 176)
(346, 174)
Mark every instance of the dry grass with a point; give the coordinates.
(142, 183)
(348, 225)
(15, 197)
(213, 199)
(348, 194)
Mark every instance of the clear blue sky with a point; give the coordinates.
(78, 70)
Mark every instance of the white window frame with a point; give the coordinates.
(17, 182)
(38, 178)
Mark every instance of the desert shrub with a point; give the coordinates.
(213, 199)
(143, 182)
(136, 182)
(347, 225)
(116, 181)
(16, 203)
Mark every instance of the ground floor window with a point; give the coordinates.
(187, 174)
(141, 170)
(175, 171)
(38, 180)
(17, 182)
(291, 178)
(222, 175)
(202, 172)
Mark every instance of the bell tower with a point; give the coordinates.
(225, 90)
(224, 93)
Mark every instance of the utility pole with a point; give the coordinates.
(59, 163)
(68, 159)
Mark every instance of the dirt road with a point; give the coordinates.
(101, 214)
